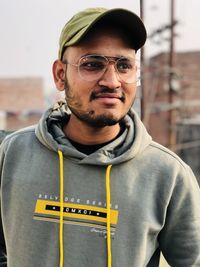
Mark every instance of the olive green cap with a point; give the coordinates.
(78, 26)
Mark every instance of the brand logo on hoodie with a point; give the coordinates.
(76, 214)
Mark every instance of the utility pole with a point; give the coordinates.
(142, 61)
(172, 111)
(172, 76)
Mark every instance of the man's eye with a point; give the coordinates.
(124, 66)
(92, 66)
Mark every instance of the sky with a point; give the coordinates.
(30, 30)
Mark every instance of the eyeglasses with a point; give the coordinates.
(92, 67)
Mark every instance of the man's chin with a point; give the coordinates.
(100, 121)
(97, 121)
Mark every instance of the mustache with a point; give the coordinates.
(106, 90)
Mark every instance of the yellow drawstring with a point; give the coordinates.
(61, 208)
(108, 215)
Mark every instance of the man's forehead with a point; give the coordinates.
(78, 51)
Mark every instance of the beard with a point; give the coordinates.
(89, 116)
(95, 121)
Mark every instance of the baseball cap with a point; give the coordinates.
(78, 26)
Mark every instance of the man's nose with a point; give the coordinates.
(110, 78)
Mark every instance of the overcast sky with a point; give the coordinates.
(29, 30)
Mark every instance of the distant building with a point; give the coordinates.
(22, 102)
(172, 117)
(185, 97)
(188, 147)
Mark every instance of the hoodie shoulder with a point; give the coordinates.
(18, 134)
(168, 155)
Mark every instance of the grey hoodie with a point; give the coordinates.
(154, 200)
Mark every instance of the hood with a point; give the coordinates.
(128, 145)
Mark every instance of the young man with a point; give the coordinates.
(87, 186)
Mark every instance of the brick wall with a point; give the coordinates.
(22, 101)
(21, 94)
(186, 100)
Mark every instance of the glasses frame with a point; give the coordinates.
(110, 60)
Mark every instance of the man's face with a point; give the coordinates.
(104, 101)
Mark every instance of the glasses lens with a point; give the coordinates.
(92, 67)
(126, 69)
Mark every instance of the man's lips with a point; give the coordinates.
(107, 95)
(108, 98)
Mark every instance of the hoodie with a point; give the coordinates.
(119, 206)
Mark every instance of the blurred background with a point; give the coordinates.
(168, 97)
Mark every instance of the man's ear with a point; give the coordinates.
(58, 70)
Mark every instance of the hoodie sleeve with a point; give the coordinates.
(180, 236)
(3, 258)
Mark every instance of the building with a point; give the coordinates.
(22, 102)
(188, 148)
(172, 97)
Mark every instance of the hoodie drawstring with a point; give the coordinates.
(61, 236)
(108, 214)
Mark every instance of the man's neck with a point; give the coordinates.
(82, 133)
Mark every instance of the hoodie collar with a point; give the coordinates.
(131, 142)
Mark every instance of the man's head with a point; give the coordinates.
(96, 65)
